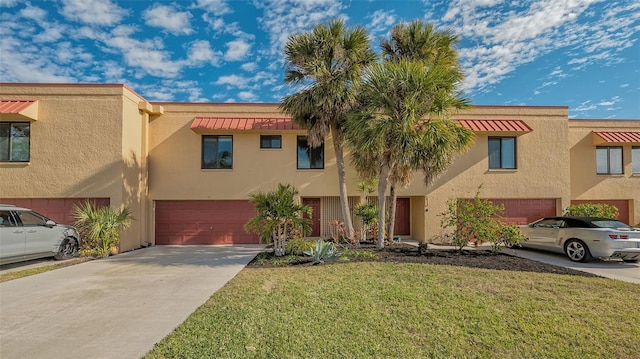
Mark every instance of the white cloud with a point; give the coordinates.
(247, 95)
(233, 80)
(33, 13)
(168, 18)
(282, 18)
(249, 66)
(216, 7)
(8, 3)
(381, 22)
(503, 36)
(624, 85)
(200, 53)
(236, 50)
(94, 12)
(147, 55)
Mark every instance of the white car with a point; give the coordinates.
(583, 238)
(26, 235)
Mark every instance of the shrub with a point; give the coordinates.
(592, 210)
(100, 226)
(323, 252)
(477, 220)
(368, 213)
(298, 246)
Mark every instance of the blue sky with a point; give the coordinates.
(583, 54)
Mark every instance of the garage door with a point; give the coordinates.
(622, 205)
(203, 222)
(527, 210)
(58, 209)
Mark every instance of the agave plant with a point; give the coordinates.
(323, 252)
(101, 225)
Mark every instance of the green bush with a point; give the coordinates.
(592, 210)
(298, 246)
(100, 227)
(478, 221)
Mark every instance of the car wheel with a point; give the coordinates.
(68, 249)
(577, 251)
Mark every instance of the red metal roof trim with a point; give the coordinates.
(496, 125)
(242, 124)
(619, 136)
(14, 106)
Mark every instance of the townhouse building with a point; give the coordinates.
(186, 169)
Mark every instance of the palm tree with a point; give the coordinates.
(101, 225)
(278, 216)
(402, 124)
(329, 62)
(421, 42)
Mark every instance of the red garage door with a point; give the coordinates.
(622, 205)
(527, 210)
(203, 222)
(58, 209)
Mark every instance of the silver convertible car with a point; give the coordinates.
(26, 235)
(583, 238)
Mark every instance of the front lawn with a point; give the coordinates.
(408, 310)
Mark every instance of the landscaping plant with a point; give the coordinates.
(592, 210)
(323, 252)
(478, 221)
(278, 217)
(100, 226)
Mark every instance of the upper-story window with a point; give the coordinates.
(609, 160)
(15, 141)
(635, 160)
(309, 158)
(217, 152)
(270, 141)
(502, 152)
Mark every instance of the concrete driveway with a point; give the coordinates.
(628, 272)
(113, 308)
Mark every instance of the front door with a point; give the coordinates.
(314, 203)
(402, 223)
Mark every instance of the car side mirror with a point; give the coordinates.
(49, 223)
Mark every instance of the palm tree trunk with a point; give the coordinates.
(392, 211)
(344, 199)
(382, 199)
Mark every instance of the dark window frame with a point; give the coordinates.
(217, 162)
(9, 150)
(609, 148)
(501, 165)
(264, 139)
(319, 151)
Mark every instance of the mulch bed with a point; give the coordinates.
(406, 253)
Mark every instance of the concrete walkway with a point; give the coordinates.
(113, 308)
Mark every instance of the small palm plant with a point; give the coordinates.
(101, 225)
(278, 216)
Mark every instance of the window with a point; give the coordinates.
(217, 152)
(31, 219)
(635, 160)
(309, 158)
(270, 141)
(14, 141)
(502, 152)
(609, 160)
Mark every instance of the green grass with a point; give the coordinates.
(45, 268)
(390, 310)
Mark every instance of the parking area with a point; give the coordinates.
(117, 307)
(628, 272)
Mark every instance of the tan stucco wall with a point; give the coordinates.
(585, 183)
(82, 145)
(175, 150)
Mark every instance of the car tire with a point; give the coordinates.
(577, 251)
(68, 249)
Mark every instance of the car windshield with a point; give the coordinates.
(610, 224)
